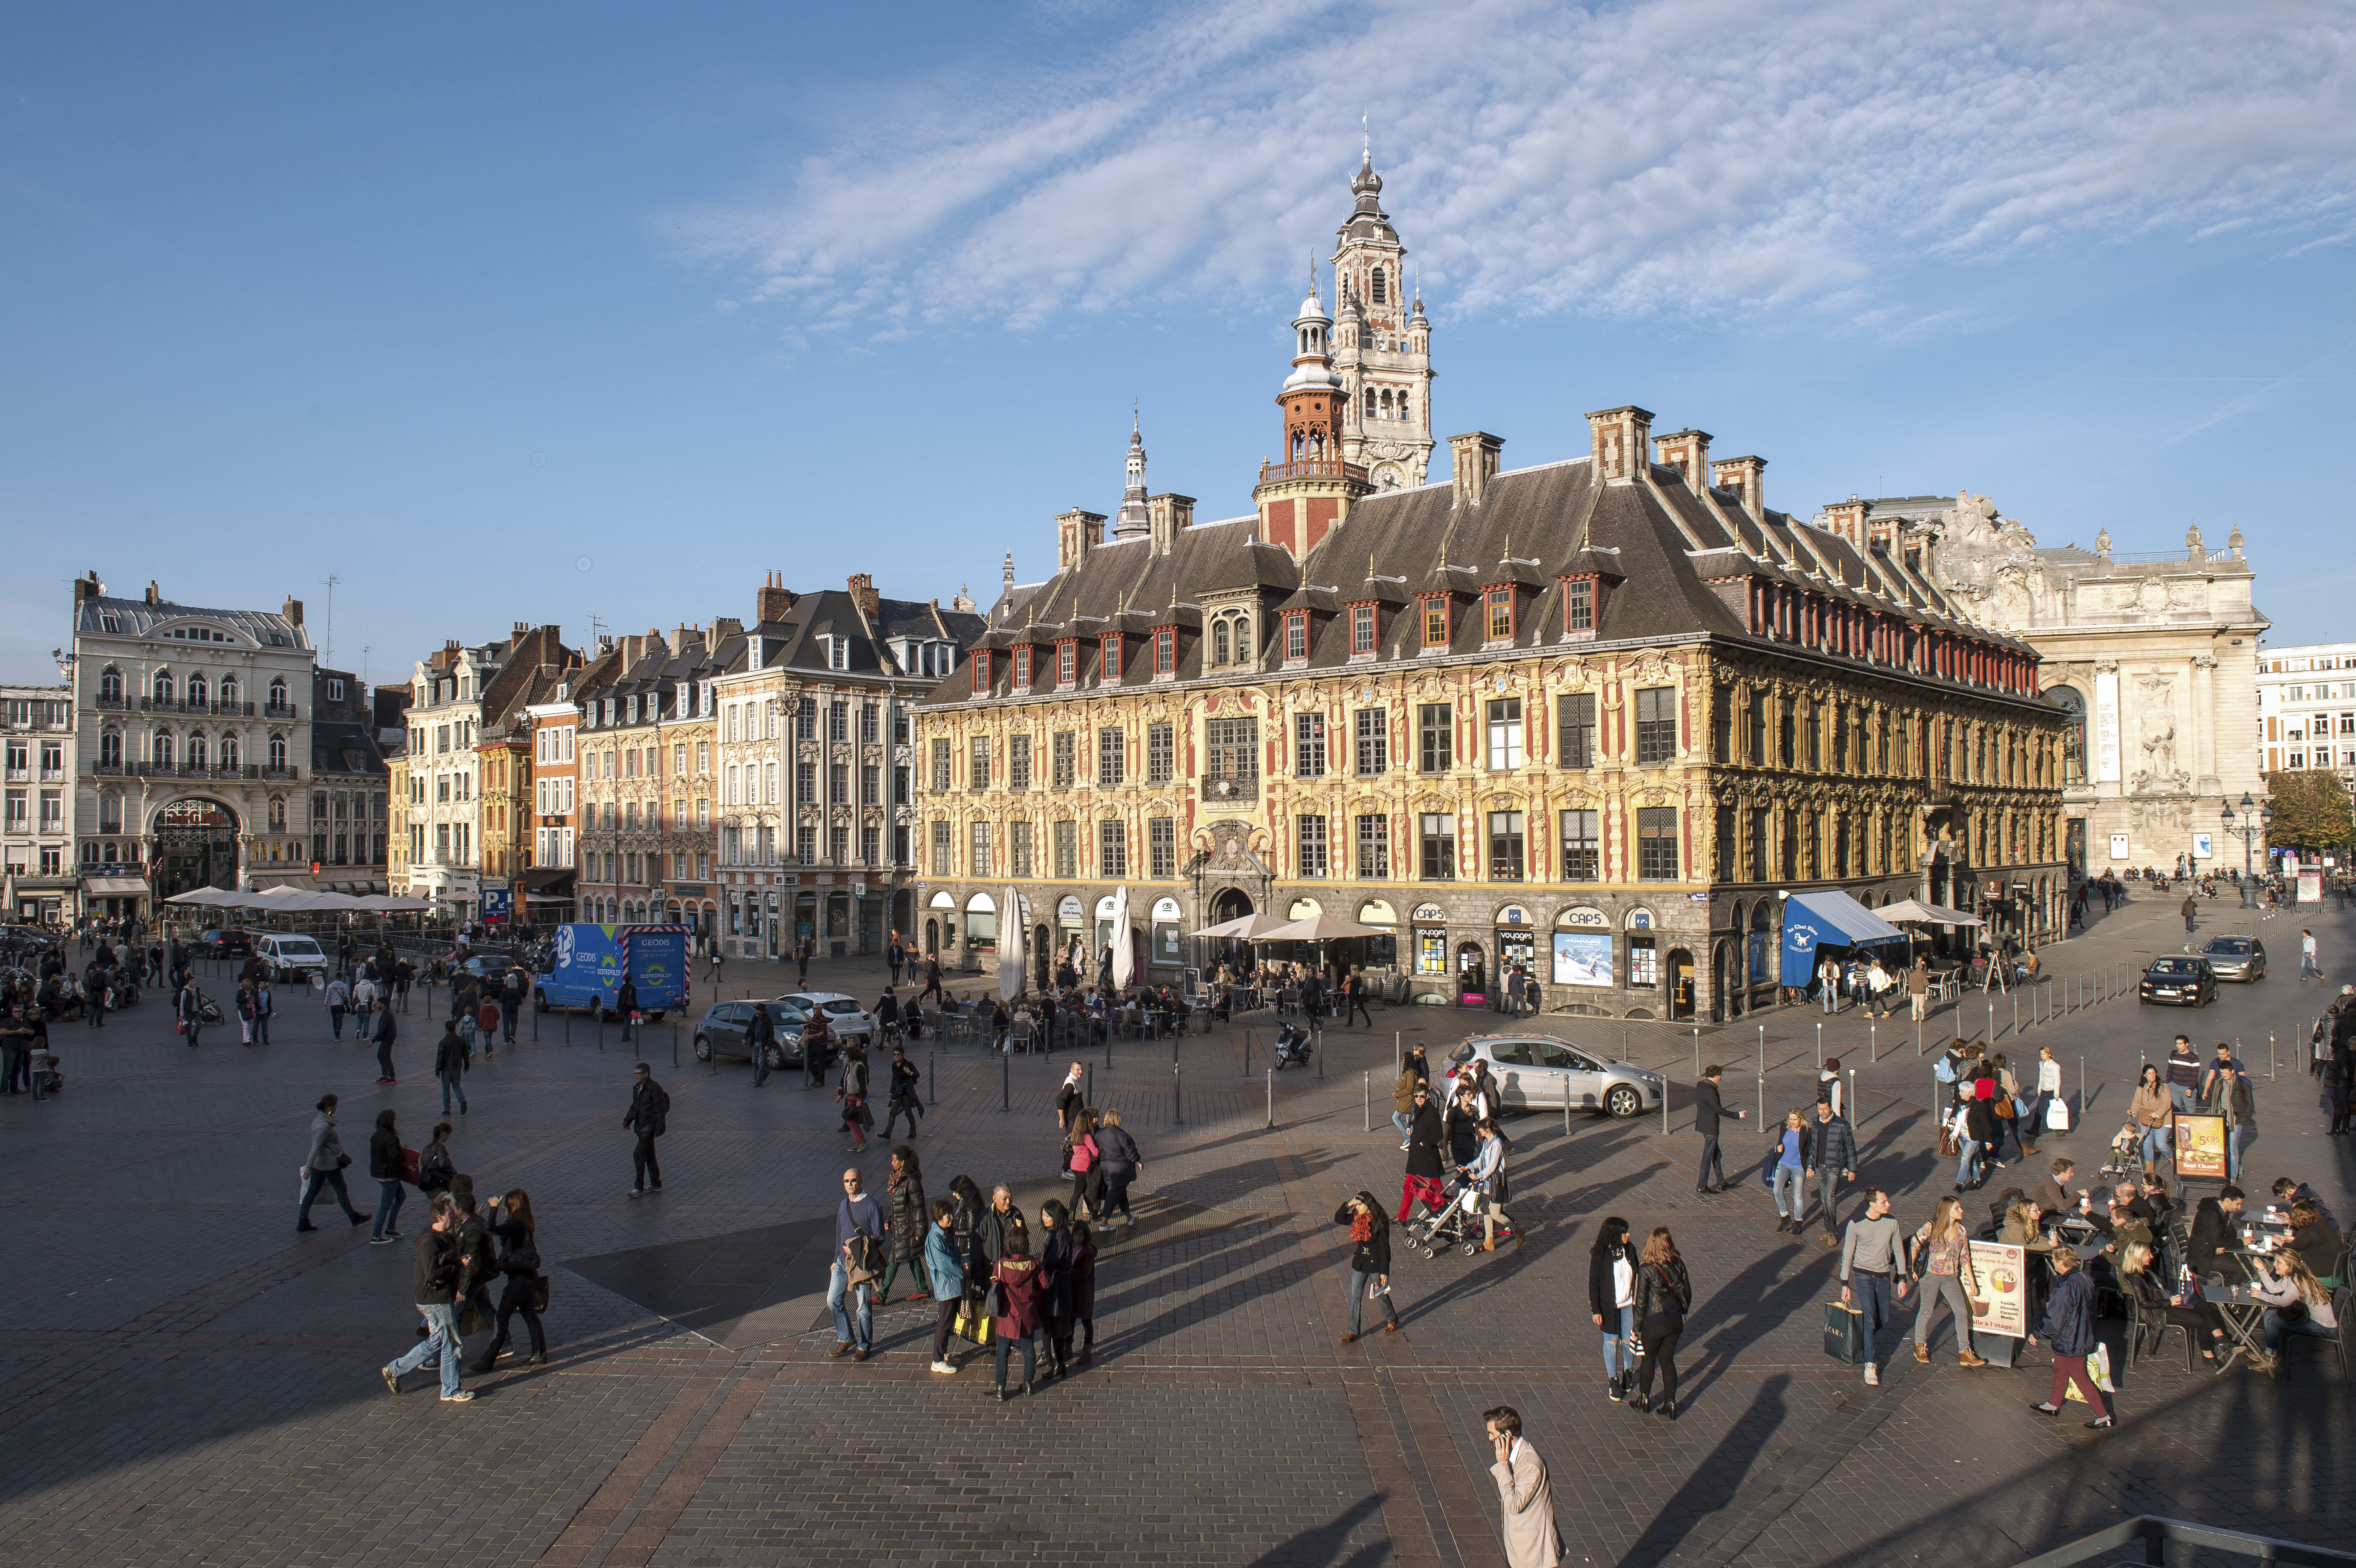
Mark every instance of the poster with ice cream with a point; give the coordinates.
(2000, 1289)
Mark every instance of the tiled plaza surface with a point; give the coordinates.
(187, 1380)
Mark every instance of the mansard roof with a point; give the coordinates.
(1656, 543)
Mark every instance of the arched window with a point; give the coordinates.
(1243, 639)
(229, 689)
(109, 684)
(278, 814)
(110, 748)
(277, 693)
(163, 749)
(1370, 402)
(1402, 404)
(278, 753)
(198, 693)
(2073, 733)
(197, 753)
(229, 751)
(1380, 290)
(163, 687)
(1219, 640)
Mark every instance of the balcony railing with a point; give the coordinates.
(278, 710)
(1231, 786)
(112, 704)
(1322, 468)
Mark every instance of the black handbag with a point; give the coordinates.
(540, 1294)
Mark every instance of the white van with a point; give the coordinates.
(291, 956)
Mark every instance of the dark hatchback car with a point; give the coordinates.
(2236, 957)
(224, 944)
(2179, 983)
(723, 1032)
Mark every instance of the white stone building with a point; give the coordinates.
(194, 729)
(2307, 709)
(36, 855)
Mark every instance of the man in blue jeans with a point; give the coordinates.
(859, 1215)
(436, 1274)
(450, 1057)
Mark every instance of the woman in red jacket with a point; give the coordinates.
(1015, 1285)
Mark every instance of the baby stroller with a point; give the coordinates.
(1456, 1223)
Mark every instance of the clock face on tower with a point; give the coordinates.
(1388, 477)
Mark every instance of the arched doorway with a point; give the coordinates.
(1681, 985)
(932, 938)
(1231, 904)
(1722, 997)
(197, 841)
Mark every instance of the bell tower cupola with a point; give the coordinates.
(1383, 351)
(1305, 493)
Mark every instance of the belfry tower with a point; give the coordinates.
(1382, 344)
(1303, 494)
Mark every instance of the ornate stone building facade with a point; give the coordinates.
(2153, 659)
(1382, 344)
(1594, 718)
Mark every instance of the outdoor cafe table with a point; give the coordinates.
(2243, 1314)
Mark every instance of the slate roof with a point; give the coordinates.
(1657, 544)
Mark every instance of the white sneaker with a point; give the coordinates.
(944, 1367)
(1873, 1374)
(460, 1397)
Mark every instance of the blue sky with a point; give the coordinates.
(533, 313)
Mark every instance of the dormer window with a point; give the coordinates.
(1067, 662)
(1165, 650)
(1362, 628)
(1231, 638)
(1435, 620)
(1296, 636)
(1578, 606)
(1109, 653)
(982, 676)
(1022, 667)
(838, 653)
(1500, 605)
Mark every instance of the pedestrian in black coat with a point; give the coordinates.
(648, 1117)
(1708, 1108)
(905, 1220)
(1423, 1159)
(510, 1224)
(1370, 1260)
(1056, 1281)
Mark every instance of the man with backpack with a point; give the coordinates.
(858, 1259)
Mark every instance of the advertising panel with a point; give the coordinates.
(2000, 1289)
(1582, 957)
(2201, 1146)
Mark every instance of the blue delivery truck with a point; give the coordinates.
(588, 963)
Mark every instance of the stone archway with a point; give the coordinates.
(196, 840)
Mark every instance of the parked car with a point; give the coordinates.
(844, 1016)
(2236, 957)
(223, 943)
(723, 1032)
(291, 957)
(1535, 1072)
(2179, 983)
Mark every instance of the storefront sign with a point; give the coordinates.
(1513, 914)
(1067, 911)
(1584, 916)
(1429, 912)
(2200, 1146)
(193, 815)
(1432, 950)
(2000, 1289)
(1165, 908)
(1640, 919)
(2118, 846)
(1582, 957)
(2202, 850)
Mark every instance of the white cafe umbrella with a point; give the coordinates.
(1320, 928)
(1252, 927)
(1124, 957)
(1011, 939)
(203, 896)
(1914, 912)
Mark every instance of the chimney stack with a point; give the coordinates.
(864, 594)
(292, 608)
(1172, 515)
(1687, 451)
(1847, 520)
(774, 600)
(1473, 463)
(1740, 477)
(87, 588)
(1077, 533)
(1621, 439)
(153, 596)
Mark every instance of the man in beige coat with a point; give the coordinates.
(1525, 1498)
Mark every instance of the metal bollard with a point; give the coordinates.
(933, 1077)
(1762, 1099)
(1820, 1045)
(1763, 1052)
(2016, 1015)
(1990, 1030)
(1566, 1113)
(1247, 1059)
(1005, 1081)
(2081, 1088)
(1696, 1053)
(1271, 1098)
(1664, 1102)
(2270, 1054)
(1873, 1041)
(1177, 1090)
(1366, 1100)
(1320, 1054)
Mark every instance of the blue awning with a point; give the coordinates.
(1831, 919)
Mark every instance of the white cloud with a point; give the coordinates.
(1668, 156)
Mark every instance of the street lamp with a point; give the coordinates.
(2249, 826)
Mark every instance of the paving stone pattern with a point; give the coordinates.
(187, 1380)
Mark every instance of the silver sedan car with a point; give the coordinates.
(1539, 1071)
(2236, 957)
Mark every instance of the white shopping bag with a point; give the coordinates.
(2057, 1115)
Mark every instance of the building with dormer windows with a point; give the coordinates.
(1595, 718)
